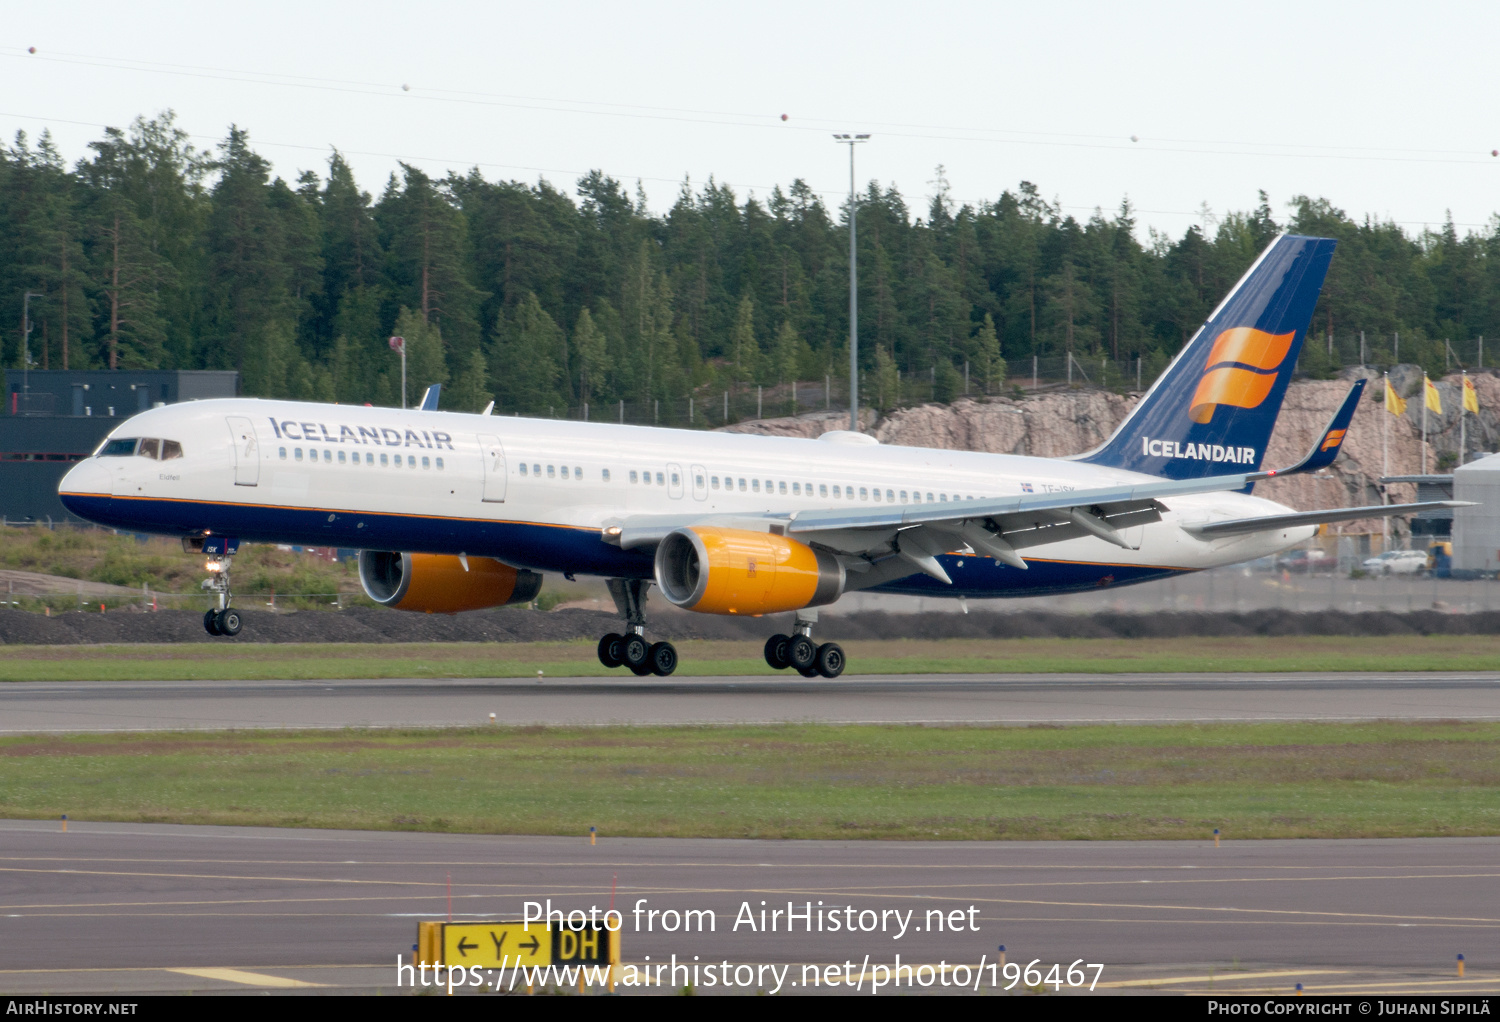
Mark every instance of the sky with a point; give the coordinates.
(1186, 109)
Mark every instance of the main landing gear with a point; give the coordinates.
(631, 649)
(799, 652)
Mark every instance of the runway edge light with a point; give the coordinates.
(1460, 966)
(65, 830)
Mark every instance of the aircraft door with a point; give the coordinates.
(700, 483)
(493, 455)
(246, 451)
(674, 481)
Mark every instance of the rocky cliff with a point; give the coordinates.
(1059, 423)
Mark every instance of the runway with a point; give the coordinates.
(27, 707)
(135, 908)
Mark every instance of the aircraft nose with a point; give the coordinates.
(88, 476)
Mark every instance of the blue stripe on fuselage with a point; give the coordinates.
(553, 548)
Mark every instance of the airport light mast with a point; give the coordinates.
(851, 141)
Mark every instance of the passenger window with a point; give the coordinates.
(903, 496)
(943, 497)
(283, 453)
(770, 486)
(823, 490)
(384, 459)
(369, 459)
(755, 485)
(440, 464)
(536, 469)
(606, 475)
(742, 486)
(424, 462)
(578, 472)
(342, 457)
(551, 471)
(837, 492)
(327, 457)
(150, 448)
(714, 482)
(676, 479)
(565, 471)
(661, 479)
(890, 496)
(523, 468)
(796, 489)
(929, 498)
(863, 495)
(296, 454)
(632, 475)
(783, 487)
(698, 482)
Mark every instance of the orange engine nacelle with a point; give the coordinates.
(735, 571)
(439, 584)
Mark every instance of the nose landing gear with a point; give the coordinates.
(219, 553)
(798, 651)
(631, 649)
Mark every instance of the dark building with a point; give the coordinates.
(53, 418)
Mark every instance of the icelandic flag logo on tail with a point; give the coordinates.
(1212, 411)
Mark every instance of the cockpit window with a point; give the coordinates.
(150, 448)
(118, 448)
(170, 449)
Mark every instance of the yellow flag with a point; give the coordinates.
(1393, 404)
(1471, 397)
(1434, 402)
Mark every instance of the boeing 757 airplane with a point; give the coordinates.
(457, 511)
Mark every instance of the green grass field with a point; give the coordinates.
(248, 661)
(807, 781)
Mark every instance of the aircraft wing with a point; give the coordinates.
(882, 543)
(1269, 523)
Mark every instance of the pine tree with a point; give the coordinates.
(987, 358)
(590, 355)
(525, 362)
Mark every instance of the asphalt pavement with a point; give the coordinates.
(136, 908)
(942, 698)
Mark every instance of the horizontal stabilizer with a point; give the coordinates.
(1270, 523)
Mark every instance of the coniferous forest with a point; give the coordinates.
(149, 253)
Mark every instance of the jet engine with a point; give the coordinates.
(442, 583)
(736, 571)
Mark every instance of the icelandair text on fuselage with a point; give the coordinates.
(1197, 452)
(380, 436)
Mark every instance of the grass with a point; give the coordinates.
(791, 781)
(252, 661)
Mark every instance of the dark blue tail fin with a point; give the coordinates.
(1212, 411)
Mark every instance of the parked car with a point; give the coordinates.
(1305, 561)
(1397, 562)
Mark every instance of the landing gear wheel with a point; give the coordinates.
(611, 650)
(808, 672)
(662, 659)
(802, 653)
(830, 660)
(211, 622)
(776, 652)
(228, 622)
(637, 653)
